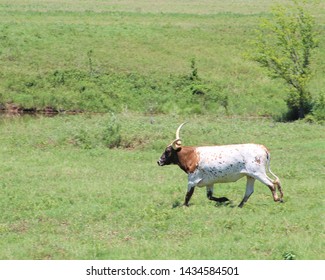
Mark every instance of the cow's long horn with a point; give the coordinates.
(178, 129)
(177, 143)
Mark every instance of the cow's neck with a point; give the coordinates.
(187, 159)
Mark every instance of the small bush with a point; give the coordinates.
(318, 110)
(111, 134)
(83, 139)
(93, 133)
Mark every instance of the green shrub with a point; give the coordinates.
(318, 110)
(111, 135)
(284, 46)
(83, 139)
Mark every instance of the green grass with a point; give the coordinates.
(65, 195)
(112, 56)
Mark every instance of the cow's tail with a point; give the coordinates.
(276, 181)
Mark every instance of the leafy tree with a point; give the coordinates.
(284, 46)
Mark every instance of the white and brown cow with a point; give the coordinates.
(208, 165)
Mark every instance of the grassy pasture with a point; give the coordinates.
(64, 195)
(110, 55)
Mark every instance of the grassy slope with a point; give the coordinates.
(46, 46)
(63, 195)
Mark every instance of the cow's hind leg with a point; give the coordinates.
(278, 184)
(249, 190)
(272, 184)
(211, 197)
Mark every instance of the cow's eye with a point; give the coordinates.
(168, 151)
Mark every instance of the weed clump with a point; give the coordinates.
(103, 133)
(289, 256)
(112, 134)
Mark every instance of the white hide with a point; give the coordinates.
(229, 163)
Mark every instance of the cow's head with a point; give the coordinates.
(169, 156)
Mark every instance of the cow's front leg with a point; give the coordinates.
(211, 197)
(188, 196)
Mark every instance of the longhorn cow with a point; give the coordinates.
(208, 165)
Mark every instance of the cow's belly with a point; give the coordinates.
(209, 176)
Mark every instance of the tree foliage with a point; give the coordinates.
(284, 45)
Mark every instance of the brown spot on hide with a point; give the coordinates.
(188, 159)
(258, 160)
